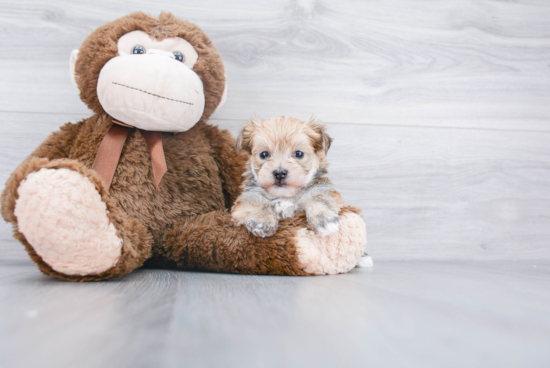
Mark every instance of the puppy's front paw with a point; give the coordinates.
(326, 223)
(261, 228)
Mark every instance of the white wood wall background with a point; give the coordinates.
(440, 110)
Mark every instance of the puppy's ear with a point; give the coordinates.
(243, 140)
(321, 140)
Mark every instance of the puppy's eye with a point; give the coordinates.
(179, 56)
(298, 154)
(264, 155)
(138, 49)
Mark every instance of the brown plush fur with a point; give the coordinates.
(204, 174)
(235, 250)
(136, 239)
(185, 223)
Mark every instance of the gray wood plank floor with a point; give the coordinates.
(441, 117)
(398, 314)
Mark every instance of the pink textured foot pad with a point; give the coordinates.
(61, 214)
(336, 253)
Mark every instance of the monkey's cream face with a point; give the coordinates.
(151, 84)
(283, 159)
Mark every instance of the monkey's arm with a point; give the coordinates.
(213, 242)
(231, 164)
(56, 146)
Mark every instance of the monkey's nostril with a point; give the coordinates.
(280, 174)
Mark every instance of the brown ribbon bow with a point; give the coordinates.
(110, 149)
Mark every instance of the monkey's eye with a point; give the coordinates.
(179, 56)
(298, 154)
(264, 155)
(138, 49)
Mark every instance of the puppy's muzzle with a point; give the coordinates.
(280, 176)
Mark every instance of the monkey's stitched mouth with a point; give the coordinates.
(152, 94)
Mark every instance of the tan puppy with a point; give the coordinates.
(286, 175)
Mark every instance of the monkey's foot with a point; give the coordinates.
(336, 253)
(64, 219)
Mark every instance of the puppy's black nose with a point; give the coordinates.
(280, 174)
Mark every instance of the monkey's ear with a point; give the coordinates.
(322, 141)
(72, 63)
(243, 140)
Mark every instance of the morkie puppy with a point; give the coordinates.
(286, 175)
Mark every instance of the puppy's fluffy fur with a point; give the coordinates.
(286, 174)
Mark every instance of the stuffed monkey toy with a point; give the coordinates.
(146, 181)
